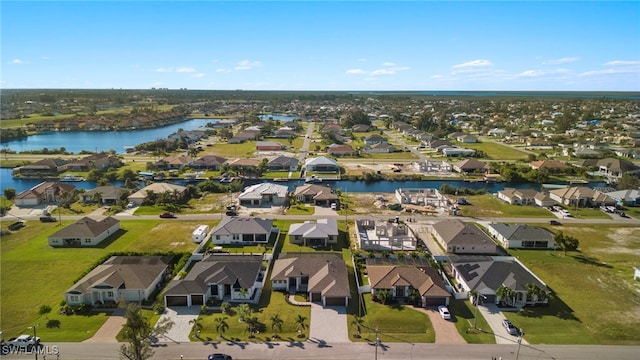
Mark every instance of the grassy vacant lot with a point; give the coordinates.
(464, 316)
(395, 323)
(596, 300)
(489, 206)
(51, 271)
(495, 151)
(586, 213)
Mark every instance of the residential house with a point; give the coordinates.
(264, 194)
(321, 164)
(100, 161)
(208, 162)
(459, 237)
(234, 278)
(269, 145)
(46, 192)
(283, 163)
(628, 153)
(240, 230)
(522, 236)
(375, 139)
(245, 166)
(173, 162)
(132, 278)
(340, 150)
(615, 168)
(322, 232)
(384, 235)
(323, 276)
(85, 232)
(581, 196)
(44, 167)
(139, 196)
(497, 132)
(485, 275)
(468, 166)
(106, 194)
(456, 151)
(518, 196)
(244, 135)
(552, 166)
(430, 165)
(321, 195)
(379, 148)
(360, 128)
(404, 279)
(464, 137)
(436, 143)
(629, 197)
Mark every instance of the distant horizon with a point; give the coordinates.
(322, 45)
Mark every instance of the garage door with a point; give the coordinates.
(176, 300)
(197, 299)
(316, 296)
(334, 301)
(436, 301)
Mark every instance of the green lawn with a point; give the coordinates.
(301, 209)
(52, 270)
(395, 323)
(495, 151)
(232, 151)
(586, 213)
(595, 298)
(489, 206)
(464, 316)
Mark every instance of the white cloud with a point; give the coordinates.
(388, 63)
(383, 72)
(355, 72)
(197, 75)
(564, 60)
(248, 65)
(473, 64)
(185, 70)
(540, 73)
(223, 70)
(621, 63)
(16, 62)
(163, 70)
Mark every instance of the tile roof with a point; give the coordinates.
(327, 272)
(242, 225)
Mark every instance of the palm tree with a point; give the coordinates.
(252, 324)
(384, 295)
(276, 325)
(243, 292)
(197, 326)
(300, 321)
(358, 322)
(225, 307)
(506, 294)
(244, 311)
(221, 326)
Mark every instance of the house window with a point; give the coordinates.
(217, 237)
(236, 236)
(110, 294)
(74, 298)
(87, 241)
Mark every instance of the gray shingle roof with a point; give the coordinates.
(523, 232)
(327, 272)
(456, 232)
(240, 225)
(481, 272)
(86, 228)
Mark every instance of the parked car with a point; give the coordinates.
(167, 215)
(334, 206)
(444, 312)
(219, 357)
(511, 329)
(554, 222)
(47, 219)
(17, 225)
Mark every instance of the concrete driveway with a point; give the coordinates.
(494, 318)
(108, 331)
(180, 315)
(328, 325)
(446, 332)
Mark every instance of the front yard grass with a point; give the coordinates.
(495, 151)
(464, 316)
(301, 209)
(489, 206)
(51, 271)
(596, 299)
(587, 213)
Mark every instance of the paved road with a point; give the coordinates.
(309, 351)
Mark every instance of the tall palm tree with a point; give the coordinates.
(244, 311)
(243, 292)
(252, 325)
(300, 321)
(507, 295)
(221, 326)
(358, 322)
(197, 326)
(276, 324)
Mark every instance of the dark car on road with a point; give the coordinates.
(511, 329)
(554, 222)
(219, 357)
(167, 215)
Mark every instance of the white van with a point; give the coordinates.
(333, 206)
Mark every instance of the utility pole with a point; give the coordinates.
(377, 343)
(475, 315)
(519, 343)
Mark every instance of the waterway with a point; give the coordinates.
(7, 181)
(76, 141)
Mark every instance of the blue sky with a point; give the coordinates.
(296, 45)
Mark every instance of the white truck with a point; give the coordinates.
(22, 342)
